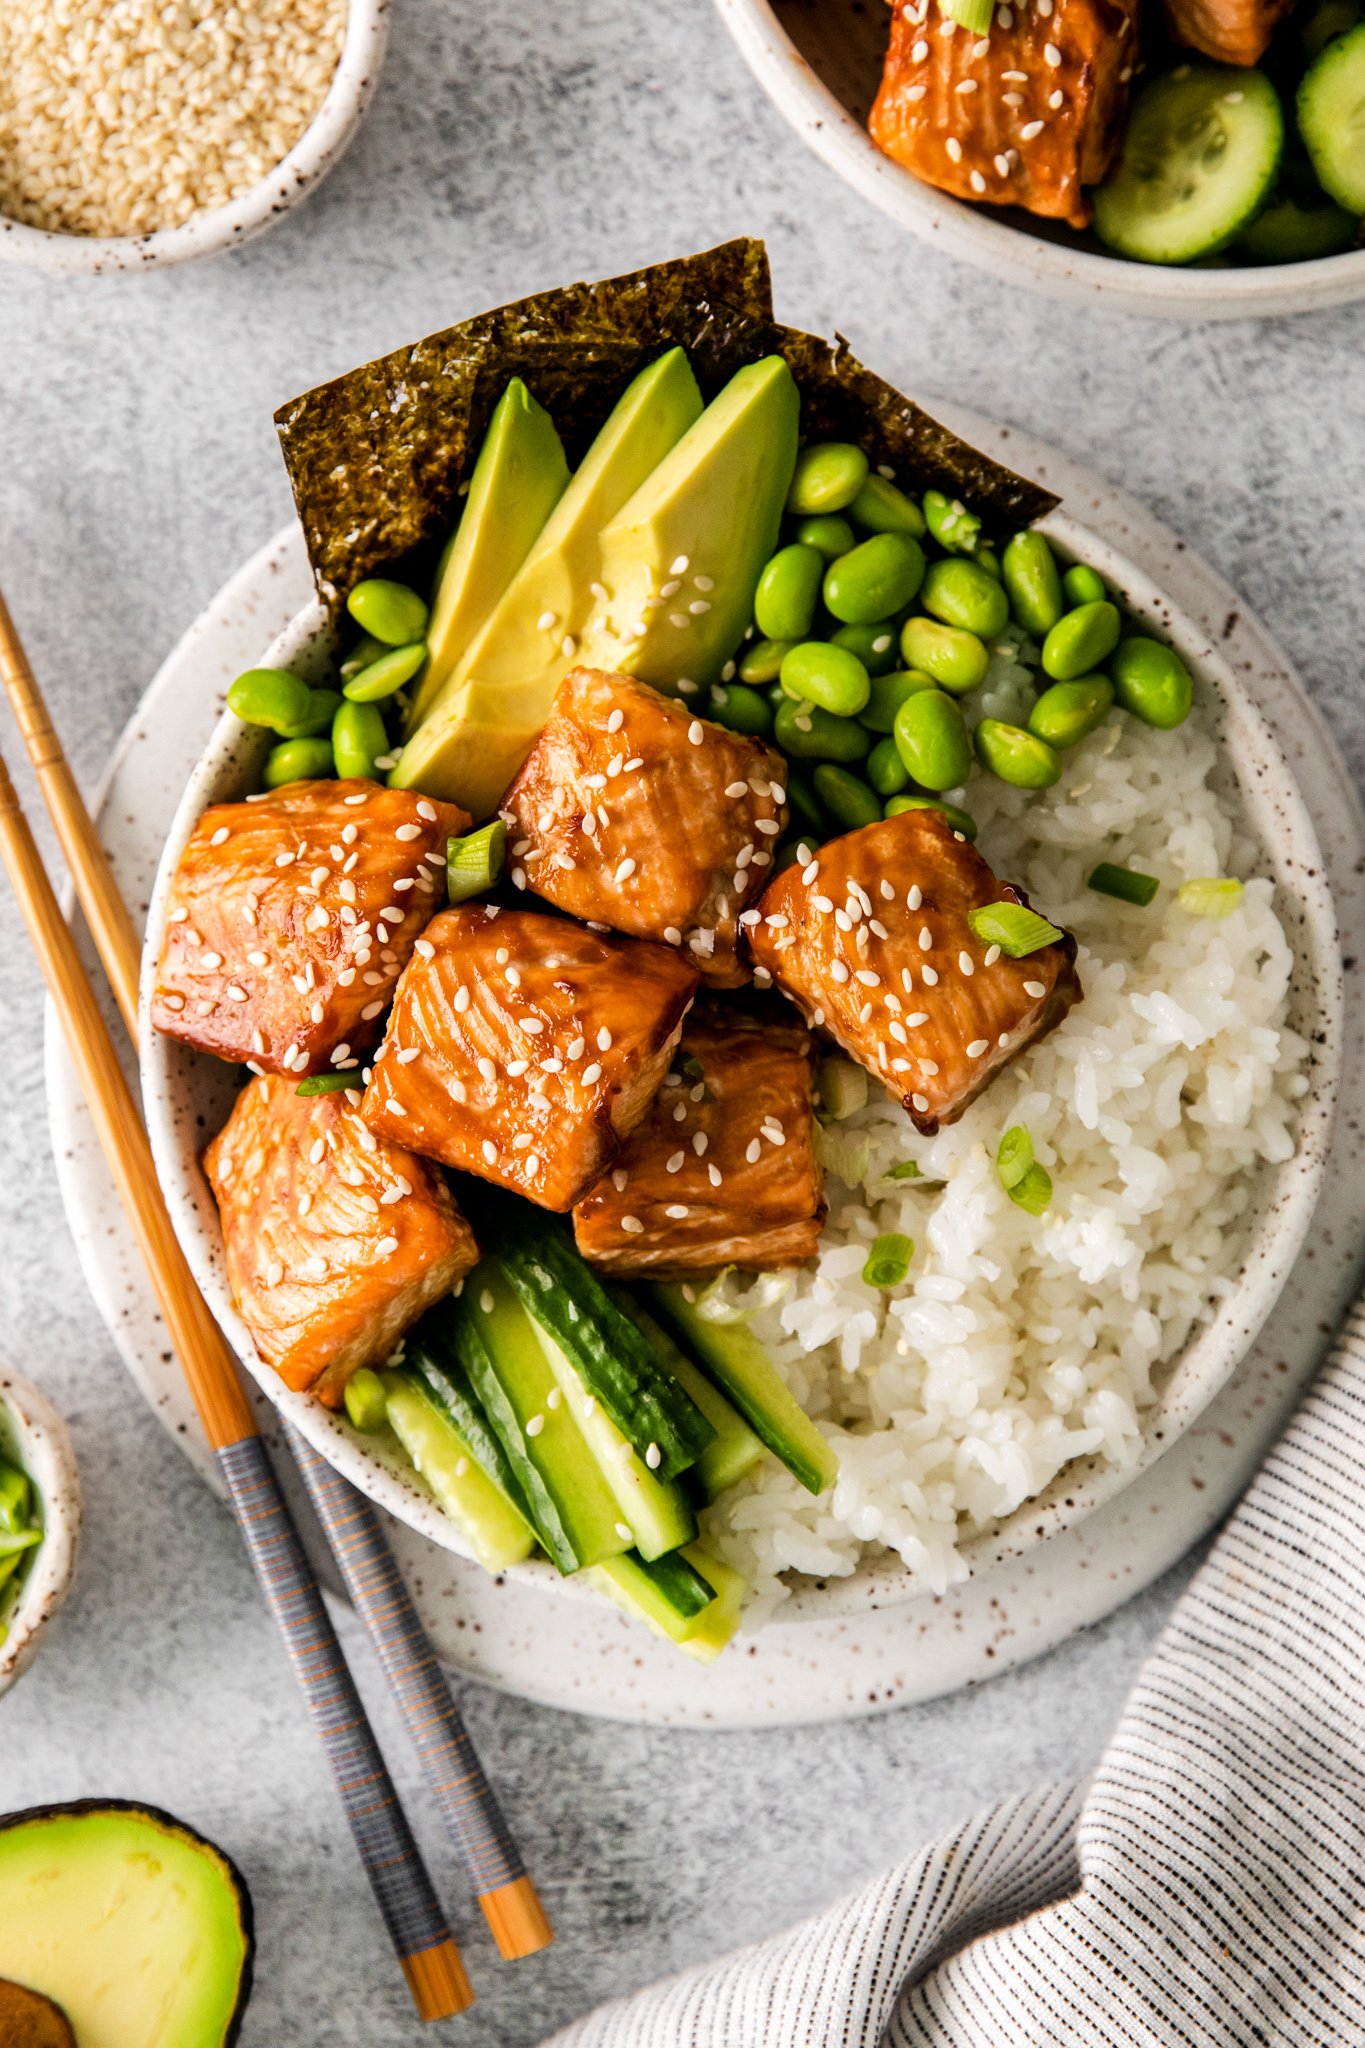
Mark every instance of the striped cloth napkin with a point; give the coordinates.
(1206, 1889)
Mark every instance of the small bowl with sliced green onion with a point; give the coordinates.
(1239, 194)
(40, 1516)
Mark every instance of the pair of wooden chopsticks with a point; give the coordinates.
(430, 1959)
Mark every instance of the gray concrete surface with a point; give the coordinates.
(512, 146)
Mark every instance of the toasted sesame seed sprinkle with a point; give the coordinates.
(632, 1225)
(591, 1074)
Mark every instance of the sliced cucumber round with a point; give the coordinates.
(1332, 119)
(1288, 232)
(1199, 162)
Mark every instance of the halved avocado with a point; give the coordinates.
(137, 1929)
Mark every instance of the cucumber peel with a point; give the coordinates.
(1199, 162)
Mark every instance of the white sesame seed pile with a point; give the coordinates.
(119, 117)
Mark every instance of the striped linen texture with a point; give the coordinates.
(1206, 1889)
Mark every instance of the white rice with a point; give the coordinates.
(1018, 1343)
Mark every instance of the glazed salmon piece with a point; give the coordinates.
(1025, 116)
(523, 1048)
(1229, 31)
(291, 917)
(633, 812)
(336, 1240)
(871, 940)
(722, 1172)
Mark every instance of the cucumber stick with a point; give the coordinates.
(734, 1357)
(573, 1509)
(495, 1526)
(1199, 161)
(656, 1510)
(432, 1364)
(715, 1625)
(1331, 110)
(660, 1597)
(734, 1450)
(567, 1299)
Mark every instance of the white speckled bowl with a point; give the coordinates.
(320, 146)
(187, 1097)
(39, 1435)
(819, 61)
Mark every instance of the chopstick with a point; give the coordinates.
(466, 1800)
(430, 1960)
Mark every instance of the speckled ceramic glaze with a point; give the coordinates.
(320, 146)
(39, 1435)
(868, 1643)
(819, 61)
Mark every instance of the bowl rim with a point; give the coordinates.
(318, 148)
(1192, 1379)
(45, 1451)
(978, 236)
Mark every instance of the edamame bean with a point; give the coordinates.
(1016, 756)
(385, 677)
(887, 695)
(297, 761)
(955, 659)
(881, 508)
(322, 709)
(272, 697)
(1152, 682)
(1081, 640)
(809, 733)
(784, 605)
(931, 739)
(818, 672)
(829, 476)
(830, 532)
(958, 819)
(741, 709)
(875, 646)
(389, 611)
(366, 650)
(961, 594)
(1066, 712)
(358, 740)
(761, 661)
(1034, 583)
(848, 800)
(886, 771)
(986, 558)
(878, 577)
(1080, 585)
(804, 808)
(951, 524)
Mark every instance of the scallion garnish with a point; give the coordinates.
(328, 1084)
(888, 1261)
(974, 15)
(841, 1088)
(1027, 1184)
(1012, 927)
(1125, 884)
(904, 1169)
(474, 863)
(1209, 896)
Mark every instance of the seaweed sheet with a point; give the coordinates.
(376, 457)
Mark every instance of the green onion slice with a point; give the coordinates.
(367, 1406)
(888, 1262)
(474, 863)
(1034, 1191)
(1209, 896)
(904, 1169)
(976, 15)
(1126, 884)
(1014, 1157)
(1013, 928)
(841, 1086)
(328, 1084)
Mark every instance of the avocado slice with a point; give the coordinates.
(485, 719)
(681, 561)
(519, 478)
(133, 1925)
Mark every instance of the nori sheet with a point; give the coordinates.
(376, 457)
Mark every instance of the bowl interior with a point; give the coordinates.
(31, 1428)
(187, 1097)
(820, 62)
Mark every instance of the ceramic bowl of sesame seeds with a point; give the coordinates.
(133, 136)
(1273, 244)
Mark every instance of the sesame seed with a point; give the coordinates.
(632, 1225)
(219, 836)
(545, 622)
(591, 1074)
(490, 1151)
(696, 732)
(653, 1457)
(920, 1102)
(404, 832)
(992, 955)
(977, 1047)
(568, 647)
(954, 149)
(926, 938)
(914, 897)
(604, 1040)
(1029, 130)
(534, 1424)
(1036, 989)
(676, 1211)
(966, 963)
(386, 1247)
(424, 810)
(753, 1152)
(625, 870)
